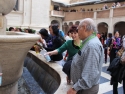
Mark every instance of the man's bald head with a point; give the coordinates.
(89, 23)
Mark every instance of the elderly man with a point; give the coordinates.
(87, 63)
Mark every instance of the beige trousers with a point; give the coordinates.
(92, 90)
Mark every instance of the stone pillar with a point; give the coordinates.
(40, 14)
(110, 30)
(3, 24)
(95, 16)
(26, 13)
(21, 5)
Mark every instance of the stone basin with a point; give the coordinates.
(6, 6)
(13, 48)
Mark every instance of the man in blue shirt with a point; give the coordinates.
(61, 33)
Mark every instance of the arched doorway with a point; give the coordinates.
(55, 22)
(77, 23)
(70, 23)
(120, 26)
(103, 28)
(65, 28)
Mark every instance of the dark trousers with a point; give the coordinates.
(124, 85)
(115, 88)
(113, 54)
(105, 55)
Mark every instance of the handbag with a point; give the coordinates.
(117, 70)
(123, 58)
(120, 52)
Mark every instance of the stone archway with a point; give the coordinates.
(70, 23)
(103, 28)
(77, 23)
(65, 28)
(120, 26)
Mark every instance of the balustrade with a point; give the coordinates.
(103, 14)
(57, 13)
(119, 12)
(69, 16)
(78, 15)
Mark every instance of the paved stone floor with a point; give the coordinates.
(105, 87)
(22, 86)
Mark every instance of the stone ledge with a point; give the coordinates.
(54, 69)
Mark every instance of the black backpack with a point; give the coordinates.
(109, 42)
(62, 39)
(117, 69)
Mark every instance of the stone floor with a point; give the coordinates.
(105, 87)
(22, 87)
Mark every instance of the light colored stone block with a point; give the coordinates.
(6, 6)
(3, 25)
(1, 22)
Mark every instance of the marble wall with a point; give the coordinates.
(31, 14)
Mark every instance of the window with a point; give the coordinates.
(56, 7)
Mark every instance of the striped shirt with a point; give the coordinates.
(87, 64)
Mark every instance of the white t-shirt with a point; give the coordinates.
(68, 38)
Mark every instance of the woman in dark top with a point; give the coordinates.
(56, 43)
(72, 47)
(48, 39)
(114, 47)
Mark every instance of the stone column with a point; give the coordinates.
(21, 5)
(26, 13)
(110, 30)
(95, 16)
(40, 14)
(3, 25)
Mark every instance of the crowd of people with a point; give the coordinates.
(26, 30)
(86, 51)
(114, 47)
(81, 47)
(114, 5)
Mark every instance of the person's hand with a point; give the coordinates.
(71, 91)
(41, 40)
(64, 59)
(113, 39)
(48, 53)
